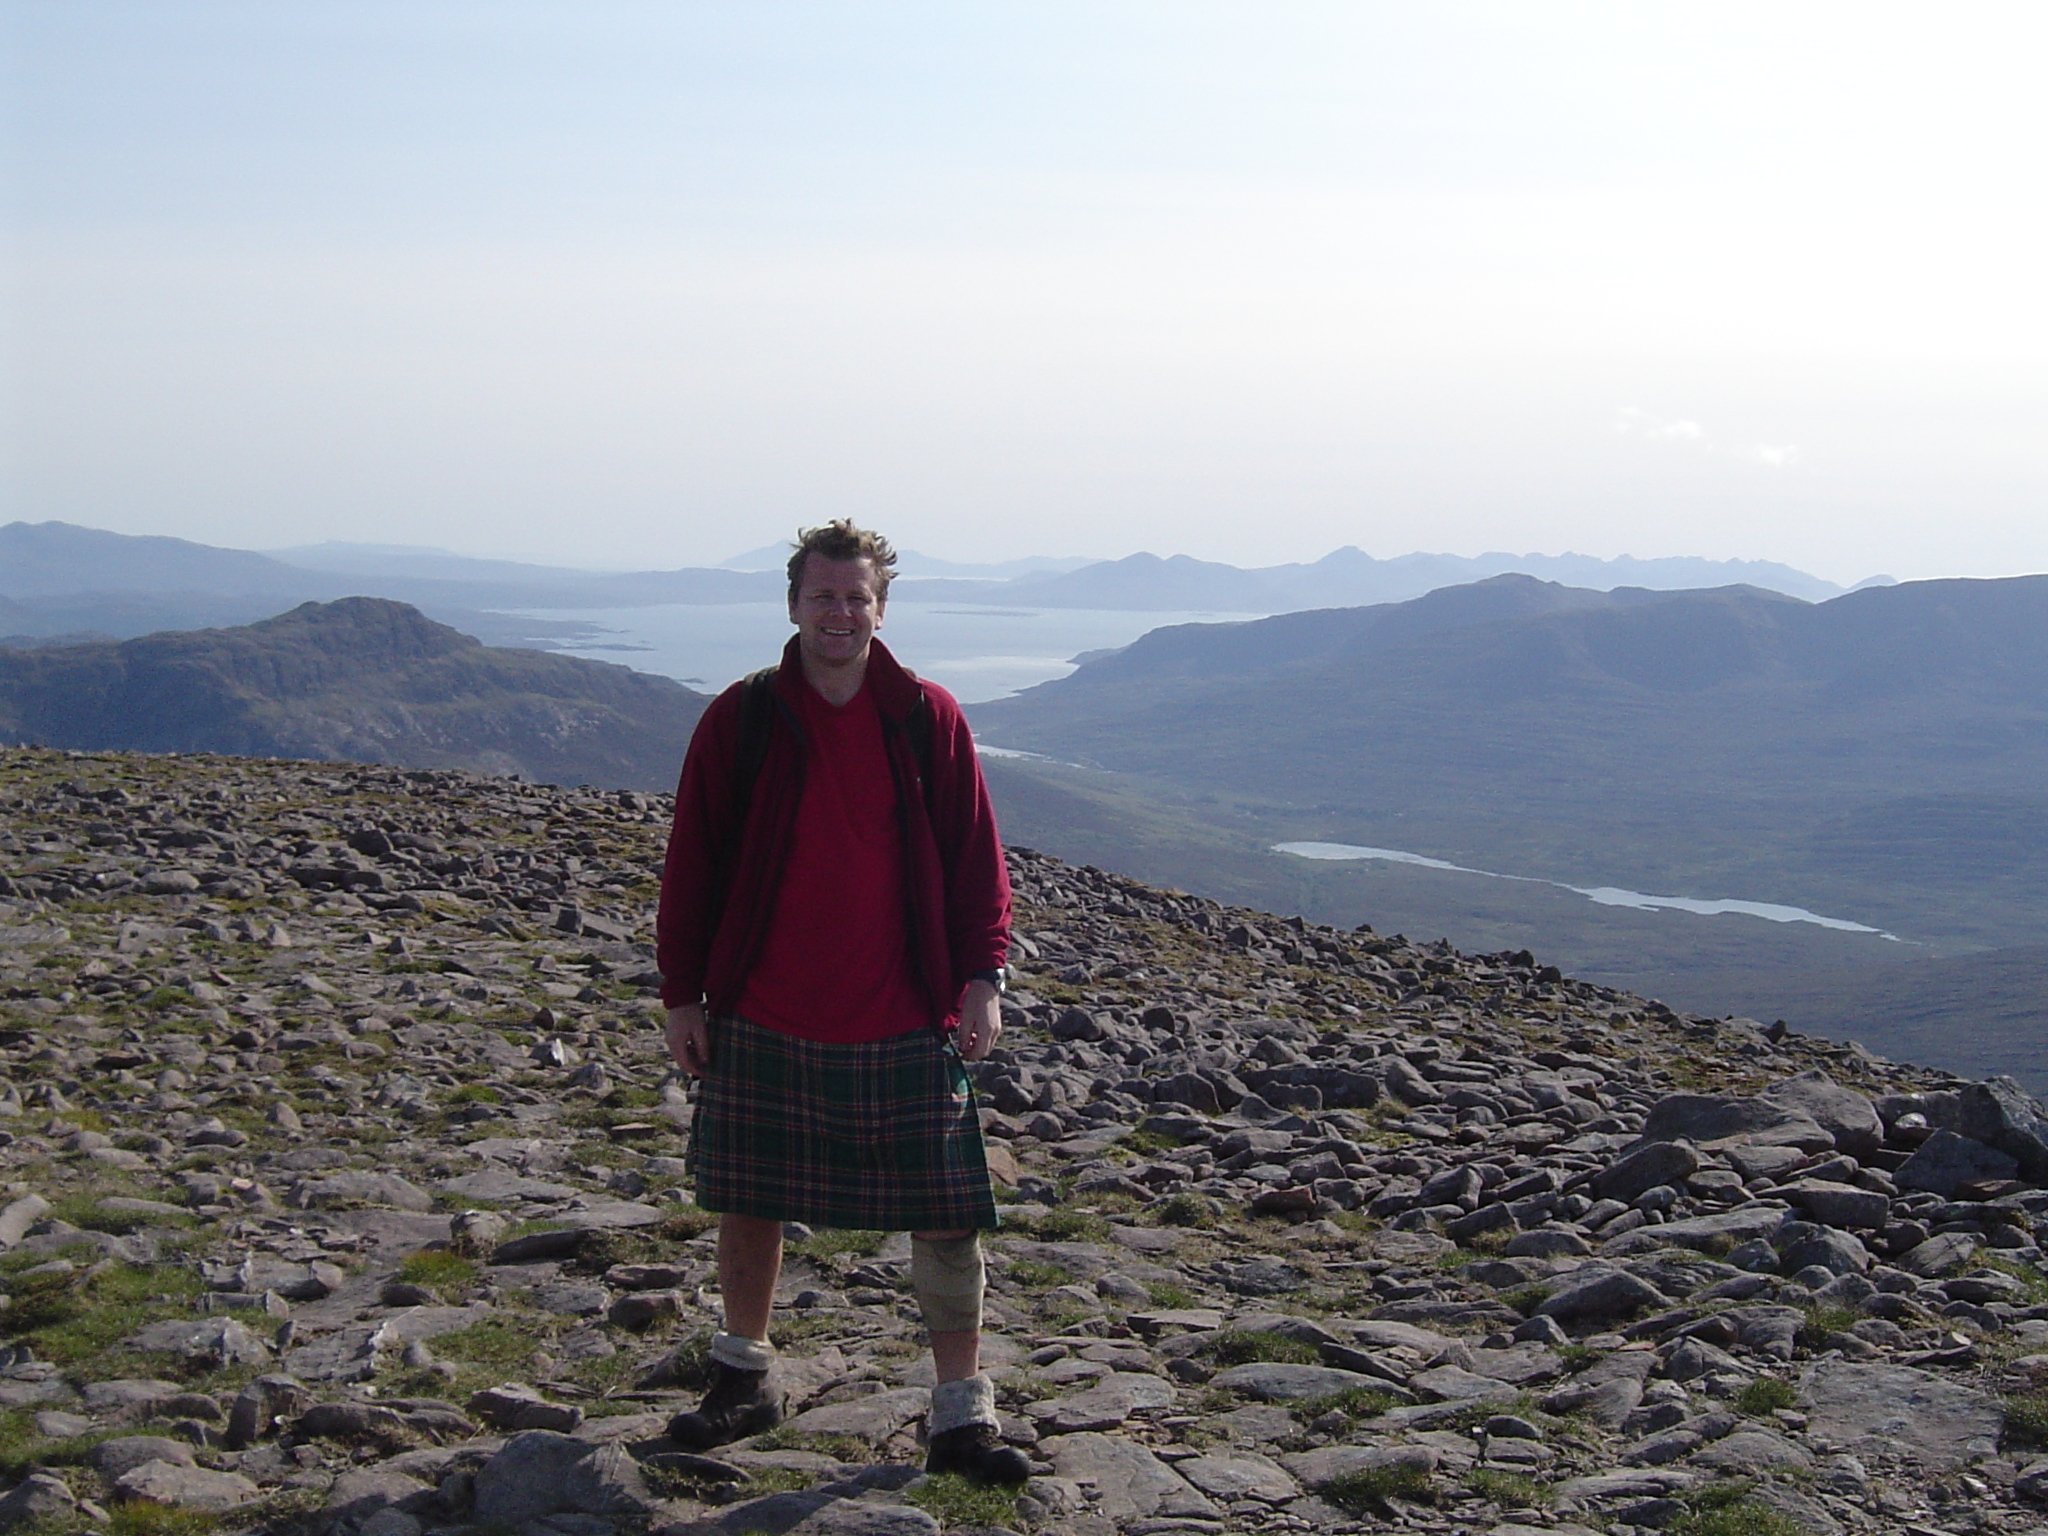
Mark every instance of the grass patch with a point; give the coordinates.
(1765, 1395)
(838, 1447)
(140, 1517)
(1510, 1490)
(828, 1243)
(76, 1318)
(438, 1269)
(1526, 1299)
(1244, 1346)
(1065, 1226)
(2026, 1418)
(1355, 1403)
(1144, 1141)
(1822, 1321)
(2035, 1283)
(1187, 1210)
(1366, 1491)
(955, 1500)
(495, 1347)
(474, 1093)
(1033, 1275)
(83, 1210)
(1169, 1295)
(1726, 1509)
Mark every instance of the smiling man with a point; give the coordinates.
(834, 920)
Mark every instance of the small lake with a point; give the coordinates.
(977, 653)
(1602, 895)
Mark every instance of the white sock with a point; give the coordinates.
(956, 1404)
(741, 1352)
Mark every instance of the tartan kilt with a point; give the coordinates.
(879, 1135)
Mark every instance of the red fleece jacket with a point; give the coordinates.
(955, 883)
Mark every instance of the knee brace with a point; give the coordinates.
(948, 1277)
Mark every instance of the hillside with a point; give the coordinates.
(361, 679)
(1878, 758)
(345, 1195)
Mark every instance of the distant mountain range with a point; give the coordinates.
(59, 579)
(360, 679)
(1880, 758)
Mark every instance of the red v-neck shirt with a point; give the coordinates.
(835, 964)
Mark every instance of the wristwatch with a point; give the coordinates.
(993, 978)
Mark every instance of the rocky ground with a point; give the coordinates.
(344, 1191)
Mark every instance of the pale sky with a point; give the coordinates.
(650, 283)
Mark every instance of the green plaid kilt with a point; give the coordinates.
(879, 1136)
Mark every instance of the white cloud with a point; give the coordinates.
(1638, 422)
(1634, 421)
(1773, 457)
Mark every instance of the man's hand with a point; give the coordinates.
(981, 1020)
(689, 1043)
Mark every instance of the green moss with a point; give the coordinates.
(838, 1447)
(1243, 1346)
(1510, 1490)
(1765, 1394)
(2026, 1418)
(1366, 1491)
(828, 1243)
(1187, 1210)
(1066, 1226)
(439, 1269)
(74, 1319)
(954, 1500)
(1355, 1403)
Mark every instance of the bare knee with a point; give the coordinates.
(942, 1237)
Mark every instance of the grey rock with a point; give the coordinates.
(1240, 1476)
(1842, 1112)
(1837, 1205)
(2000, 1114)
(516, 1406)
(124, 1453)
(261, 1404)
(1129, 1482)
(1279, 1382)
(184, 1486)
(539, 1473)
(1599, 1294)
(1897, 1411)
(39, 1496)
(1704, 1118)
(1653, 1163)
(1946, 1160)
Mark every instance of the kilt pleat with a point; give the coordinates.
(879, 1135)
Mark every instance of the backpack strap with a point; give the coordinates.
(758, 708)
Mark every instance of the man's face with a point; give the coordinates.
(836, 610)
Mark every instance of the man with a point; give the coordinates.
(834, 920)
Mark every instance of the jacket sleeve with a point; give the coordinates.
(686, 920)
(977, 909)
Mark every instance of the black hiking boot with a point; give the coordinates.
(740, 1403)
(976, 1451)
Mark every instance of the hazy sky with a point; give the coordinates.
(649, 284)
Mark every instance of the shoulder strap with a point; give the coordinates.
(757, 719)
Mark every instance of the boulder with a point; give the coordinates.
(539, 1473)
(1842, 1112)
(1946, 1160)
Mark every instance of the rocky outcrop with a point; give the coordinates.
(344, 1192)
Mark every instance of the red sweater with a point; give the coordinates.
(956, 890)
(835, 963)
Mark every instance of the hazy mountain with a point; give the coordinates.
(1881, 758)
(912, 564)
(1349, 577)
(50, 559)
(362, 679)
